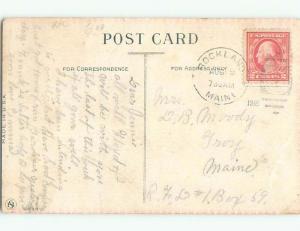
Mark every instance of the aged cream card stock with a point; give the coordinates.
(117, 115)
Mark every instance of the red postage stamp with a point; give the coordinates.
(267, 56)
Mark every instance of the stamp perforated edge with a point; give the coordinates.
(268, 83)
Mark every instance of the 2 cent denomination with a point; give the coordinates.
(268, 56)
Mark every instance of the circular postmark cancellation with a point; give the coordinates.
(219, 78)
(10, 204)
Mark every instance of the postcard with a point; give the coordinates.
(151, 115)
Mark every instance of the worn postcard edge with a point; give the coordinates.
(130, 212)
(1, 90)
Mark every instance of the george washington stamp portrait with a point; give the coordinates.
(268, 56)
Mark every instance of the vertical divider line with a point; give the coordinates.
(145, 54)
(145, 129)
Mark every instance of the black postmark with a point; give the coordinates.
(220, 75)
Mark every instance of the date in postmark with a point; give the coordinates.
(220, 76)
(267, 57)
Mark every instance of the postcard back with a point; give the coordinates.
(119, 115)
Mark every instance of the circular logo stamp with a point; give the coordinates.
(219, 79)
(11, 204)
